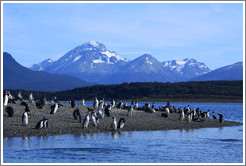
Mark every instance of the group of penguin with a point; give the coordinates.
(99, 110)
(8, 98)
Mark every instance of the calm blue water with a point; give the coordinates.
(206, 145)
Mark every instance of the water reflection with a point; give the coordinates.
(114, 134)
(25, 142)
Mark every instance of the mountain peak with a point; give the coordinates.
(92, 45)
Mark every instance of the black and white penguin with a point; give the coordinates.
(221, 119)
(39, 104)
(83, 102)
(107, 110)
(100, 114)
(130, 110)
(27, 110)
(72, 103)
(214, 116)
(113, 103)
(54, 108)
(136, 105)
(86, 121)
(181, 115)
(114, 124)
(94, 119)
(77, 115)
(6, 99)
(30, 98)
(10, 111)
(121, 123)
(43, 123)
(19, 96)
(25, 119)
(95, 103)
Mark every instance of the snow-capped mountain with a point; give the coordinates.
(42, 66)
(90, 61)
(145, 68)
(93, 62)
(230, 72)
(186, 69)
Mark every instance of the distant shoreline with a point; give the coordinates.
(62, 122)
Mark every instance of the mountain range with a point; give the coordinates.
(93, 62)
(16, 76)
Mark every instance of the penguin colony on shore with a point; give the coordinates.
(100, 109)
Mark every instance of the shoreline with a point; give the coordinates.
(63, 123)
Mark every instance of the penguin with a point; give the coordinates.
(100, 114)
(221, 119)
(30, 98)
(130, 111)
(107, 110)
(167, 111)
(72, 103)
(214, 116)
(114, 124)
(113, 103)
(181, 115)
(101, 104)
(45, 123)
(95, 104)
(54, 108)
(27, 110)
(207, 115)
(86, 121)
(77, 115)
(188, 117)
(94, 119)
(136, 105)
(121, 123)
(19, 96)
(10, 111)
(83, 102)
(25, 119)
(39, 104)
(6, 99)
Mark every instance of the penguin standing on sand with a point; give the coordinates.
(77, 115)
(136, 105)
(94, 119)
(114, 124)
(221, 119)
(95, 103)
(214, 117)
(83, 102)
(43, 123)
(86, 121)
(10, 111)
(27, 110)
(25, 119)
(113, 103)
(130, 111)
(19, 96)
(6, 99)
(72, 103)
(54, 108)
(30, 98)
(121, 123)
(181, 115)
(107, 110)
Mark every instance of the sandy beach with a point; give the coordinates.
(62, 122)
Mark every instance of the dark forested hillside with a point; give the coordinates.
(182, 91)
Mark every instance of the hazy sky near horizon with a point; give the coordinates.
(208, 32)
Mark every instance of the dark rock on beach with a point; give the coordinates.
(63, 122)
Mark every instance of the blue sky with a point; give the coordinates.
(208, 32)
